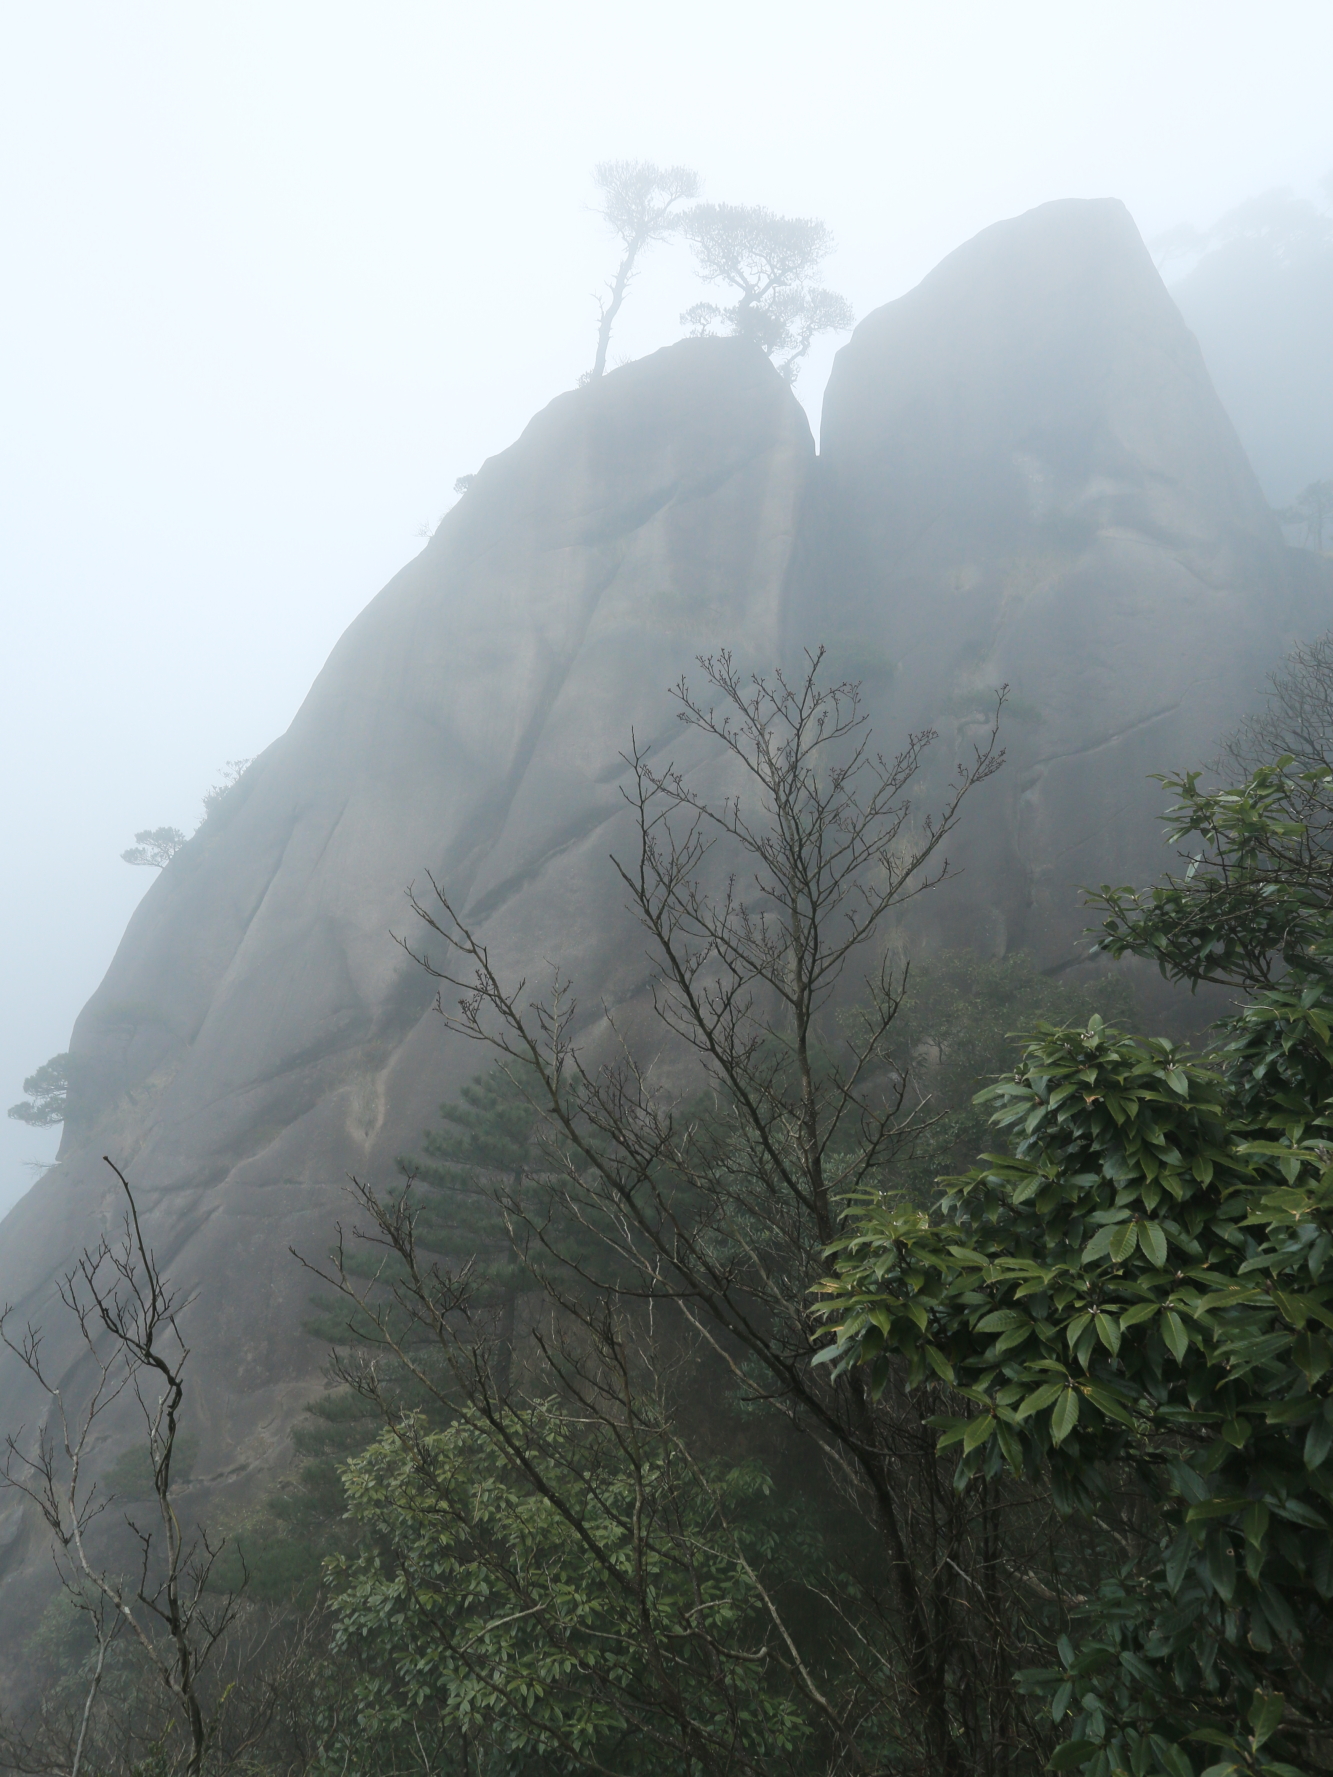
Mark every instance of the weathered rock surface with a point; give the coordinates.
(1026, 478)
(259, 1035)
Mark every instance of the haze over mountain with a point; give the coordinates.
(1027, 478)
(1257, 290)
(282, 274)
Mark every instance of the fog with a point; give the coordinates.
(278, 275)
(1257, 288)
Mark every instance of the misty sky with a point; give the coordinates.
(276, 274)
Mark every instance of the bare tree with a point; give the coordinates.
(710, 1207)
(1297, 716)
(128, 1318)
(640, 203)
(591, 1534)
(109, 1713)
(56, 1742)
(768, 261)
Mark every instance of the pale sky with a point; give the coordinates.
(276, 274)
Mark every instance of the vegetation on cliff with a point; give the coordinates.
(677, 1425)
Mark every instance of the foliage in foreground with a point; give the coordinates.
(598, 1604)
(650, 1220)
(1136, 1302)
(955, 1032)
(392, 1678)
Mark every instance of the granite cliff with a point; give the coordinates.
(1026, 478)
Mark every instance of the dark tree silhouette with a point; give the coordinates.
(46, 1089)
(640, 204)
(768, 261)
(648, 1210)
(154, 847)
(1313, 510)
(128, 1316)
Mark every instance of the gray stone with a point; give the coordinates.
(259, 1035)
(1026, 478)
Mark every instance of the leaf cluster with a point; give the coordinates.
(1252, 900)
(769, 262)
(580, 1613)
(47, 1090)
(1136, 1302)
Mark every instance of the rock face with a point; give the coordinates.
(1026, 478)
(259, 1036)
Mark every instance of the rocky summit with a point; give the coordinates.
(1025, 478)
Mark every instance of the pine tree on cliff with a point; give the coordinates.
(639, 201)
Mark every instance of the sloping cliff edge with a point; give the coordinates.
(1026, 478)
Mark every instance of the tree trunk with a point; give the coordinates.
(612, 308)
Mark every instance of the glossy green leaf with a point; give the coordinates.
(978, 1430)
(1123, 1242)
(1065, 1416)
(1266, 1714)
(1108, 1331)
(1039, 1398)
(1318, 1442)
(1072, 1755)
(1173, 1332)
(1152, 1242)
